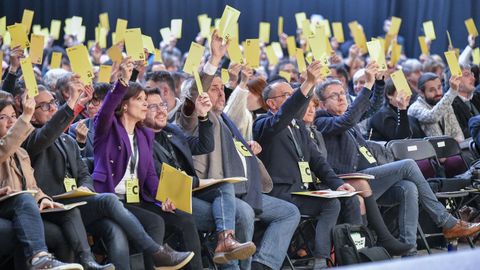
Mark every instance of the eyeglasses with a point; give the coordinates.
(336, 96)
(4, 117)
(284, 95)
(157, 107)
(46, 106)
(95, 102)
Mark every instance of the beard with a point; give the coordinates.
(433, 101)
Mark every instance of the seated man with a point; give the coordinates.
(433, 108)
(287, 146)
(467, 103)
(229, 159)
(348, 152)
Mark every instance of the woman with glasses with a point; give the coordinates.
(123, 157)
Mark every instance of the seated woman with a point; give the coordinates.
(391, 122)
(124, 164)
(16, 174)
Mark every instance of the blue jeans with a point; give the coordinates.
(107, 205)
(386, 176)
(404, 194)
(27, 224)
(222, 199)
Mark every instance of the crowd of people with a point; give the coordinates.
(109, 137)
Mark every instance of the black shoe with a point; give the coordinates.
(49, 262)
(168, 259)
(259, 266)
(89, 263)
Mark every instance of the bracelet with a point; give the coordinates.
(203, 118)
(43, 198)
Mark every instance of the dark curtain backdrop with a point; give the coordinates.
(151, 15)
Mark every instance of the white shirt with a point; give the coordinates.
(120, 188)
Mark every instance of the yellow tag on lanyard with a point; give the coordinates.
(305, 172)
(132, 190)
(242, 149)
(367, 155)
(69, 183)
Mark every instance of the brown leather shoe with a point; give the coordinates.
(168, 259)
(461, 229)
(230, 249)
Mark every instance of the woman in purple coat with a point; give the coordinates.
(123, 163)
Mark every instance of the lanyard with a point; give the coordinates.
(24, 181)
(297, 146)
(170, 153)
(133, 158)
(68, 170)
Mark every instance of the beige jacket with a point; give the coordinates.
(10, 144)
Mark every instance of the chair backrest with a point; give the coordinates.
(448, 148)
(473, 149)
(419, 150)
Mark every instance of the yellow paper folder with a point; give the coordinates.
(194, 58)
(29, 77)
(80, 63)
(176, 186)
(252, 52)
(134, 44)
(452, 61)
(18, 35)
(228, 21)
(104, 74)
(400, 82)
(36, 48)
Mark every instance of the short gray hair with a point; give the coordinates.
(320, 89)
(411, 65)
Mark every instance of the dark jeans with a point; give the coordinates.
(107, 205)
(183, 225)
(27, 223)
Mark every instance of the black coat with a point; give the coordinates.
(463, 114)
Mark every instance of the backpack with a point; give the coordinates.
(356, 244)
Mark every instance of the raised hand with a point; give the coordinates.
(247, 73)
(233, 72)
(370, 72)
(28, 105)
(126, 69)
(81, 132)
(455, 82)
(203, 105)
(218, 47)
(15, 55)
(86, 95)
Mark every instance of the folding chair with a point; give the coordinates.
(423, 152)
(447, 148)
(473, 149)
(306, 222)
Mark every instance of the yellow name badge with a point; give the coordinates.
(242, 149)
(305, 172)
(69, 183)
(132, 190)
(367, 155)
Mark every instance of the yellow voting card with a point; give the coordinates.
(286, 75)
(75, 25)
(394, 26)
(36, 28)
(120, 29)
(36, 48)
(27, 19)
(280, 26)
(1, 69)
(134, 45)
(452, 61)
(376, 52)
(225, 76)
(396, 53)
(115, 54)
(176, 28)
(476, 56)
(387, 42)
(3, 26)
(235, 53)
(82, 33)
(56, 60)
(400, 82)
(252, 52)
(166, 34)
(300, 60)
(194, 57)
(148, 44)
(55, 26)
(291, 46)
(104, 74)
(198, 81)
(103, 17)
(228, 21)
(18, 35)
(306, 28)
(80, 62)
(358, 36)
(429, 30)
(338, 32)
(264, 32)
(471, 28)
(277, 48)
(100, 36)
(158, 56)
(175, 186)
(204, 23)
(318, 46)
(29, 77)
(423, 45)
(326, 27)
(272, 57)
(299, 18)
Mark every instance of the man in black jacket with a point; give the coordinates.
(467, 103)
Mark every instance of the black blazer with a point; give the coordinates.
(187, 146)
(49, 149)
(463, 114)
(279, 154)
